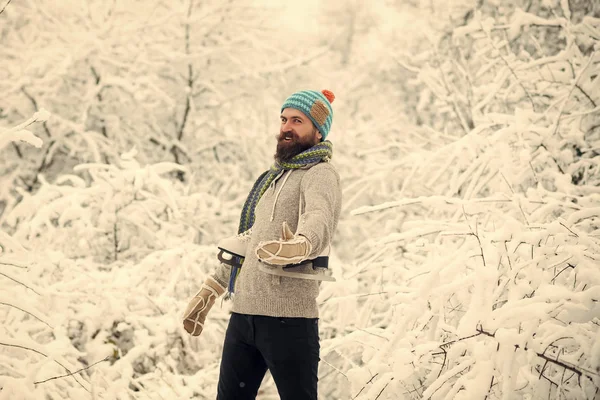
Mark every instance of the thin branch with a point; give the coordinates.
(73, 373)
(370, 333)
(365, 385)
(466, 126)
(586, 95)
(42, 354)
(99, 97)
(27, 312)
(20, 283)
(534, 174)
(43, 165)
(188, 98)
(386, 385)
(576, 369)
(115, 236)
(569, 265)
(458, 340)
(474, 233)
(443, 362)
(508, 66)
(345, 376)
(17, 150)
(3, 8)
(562, 107)
(12, 265)
(567, 228)
(36, 108)
(490, 389)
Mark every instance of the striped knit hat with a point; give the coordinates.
(316, 106)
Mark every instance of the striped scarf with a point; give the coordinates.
(322, 151)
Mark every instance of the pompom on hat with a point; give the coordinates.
(315, 105)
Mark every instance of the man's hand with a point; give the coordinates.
(197, 309)
(290, 249)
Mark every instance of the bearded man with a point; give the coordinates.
(289, 218)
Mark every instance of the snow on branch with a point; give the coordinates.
(497, 228)
(19, 133)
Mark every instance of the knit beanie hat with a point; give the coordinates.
(315, 105)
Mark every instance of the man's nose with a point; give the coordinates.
(286, 127)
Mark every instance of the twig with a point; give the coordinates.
(3, 8)
(40, 353)
(386, 385)
(543, 369)
(36, 108)
(508, 66)
(534, 174)
(562, 107)
(115, 233)
(458, 340)
(490, 389)
(443, 362)
(27, 312)
(370, 333)
(154, 304)
(569, 265)
(474, 233)
(21, 283)
(365, 385)
(567, 228)
(188, 98)
(99, 97)
(325, 361)
(72, 373)
(466, 127)
(12, 265)
(586, 95)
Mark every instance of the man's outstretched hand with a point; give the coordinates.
(197, 309)
(291, 249)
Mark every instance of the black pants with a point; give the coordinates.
(288, 347)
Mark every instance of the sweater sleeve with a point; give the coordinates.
(321, 192)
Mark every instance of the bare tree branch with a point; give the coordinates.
(365, 385)
(42, 354)
(20, 283)
(27, 312)
(3, 8)
(75, 372)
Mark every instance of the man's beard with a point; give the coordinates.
(286, 150)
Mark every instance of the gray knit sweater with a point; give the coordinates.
(316, 191)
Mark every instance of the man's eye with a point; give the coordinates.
(297, 121)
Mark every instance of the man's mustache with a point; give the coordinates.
(283, 135)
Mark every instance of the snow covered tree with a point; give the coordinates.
(481, 279)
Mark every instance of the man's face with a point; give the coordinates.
(296, 134)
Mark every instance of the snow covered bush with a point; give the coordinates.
(111, 212)
(109, 333)
(15, 136)
(111, 298)
(100, 317)
(158, 77)
(482, 280)
(24, 349)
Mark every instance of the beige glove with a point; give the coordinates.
(197, 309)
(290, 249)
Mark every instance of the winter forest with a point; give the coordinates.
(467, 136)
